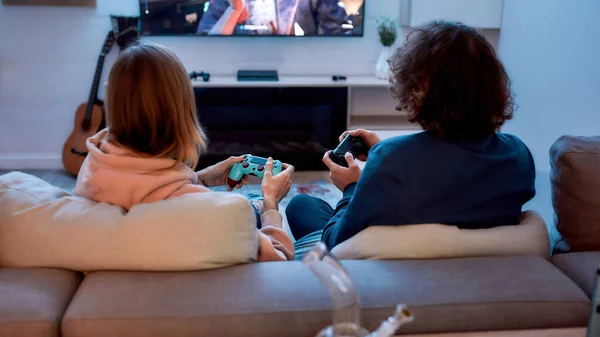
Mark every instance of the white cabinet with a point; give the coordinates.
(484, 14)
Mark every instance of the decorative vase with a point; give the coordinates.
(382, 68)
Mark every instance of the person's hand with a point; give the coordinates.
(237, 4)
(369, 136)
(239, 7)
(191, 18)
(216, 175)
(276, 187)
(342, 176)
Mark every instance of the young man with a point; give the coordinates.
(460, 171)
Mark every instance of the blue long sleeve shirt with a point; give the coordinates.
(422, 178)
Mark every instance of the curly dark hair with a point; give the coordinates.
(449, 79)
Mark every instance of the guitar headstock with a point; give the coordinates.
(126, 29)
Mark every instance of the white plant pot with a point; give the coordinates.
(382, 68)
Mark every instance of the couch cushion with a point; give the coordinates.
(576, 190)
(581, 267)
(42, 226)
(433, 241)
(33, 301)
(286, 299)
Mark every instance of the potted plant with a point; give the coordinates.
(386, 29)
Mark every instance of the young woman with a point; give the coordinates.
(153, 141)
(460, 171)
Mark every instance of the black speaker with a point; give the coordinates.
(126, 29)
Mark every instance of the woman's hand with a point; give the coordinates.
(276, 187)
(369, 136)
(216, 175)
(342, 176)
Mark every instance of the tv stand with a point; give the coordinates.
(296, 81)
(370, 104)
(295, 119)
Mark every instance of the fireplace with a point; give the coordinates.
(294, 125)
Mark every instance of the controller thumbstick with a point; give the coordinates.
(245, 164)
(260, 168)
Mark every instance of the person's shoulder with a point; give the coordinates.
(517, 147)
(391, 150)
(403, 141)
(511, 141)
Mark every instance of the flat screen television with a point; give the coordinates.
(252, 17)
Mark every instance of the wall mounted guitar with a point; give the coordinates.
(89, 118)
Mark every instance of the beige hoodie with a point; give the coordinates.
(117, 176)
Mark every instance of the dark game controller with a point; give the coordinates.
(354, 145)
(205, 76)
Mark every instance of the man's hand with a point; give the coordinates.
(342, 176)
(369, 136)
(275, 188)
(216, 175)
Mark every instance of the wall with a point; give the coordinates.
(48, 55)
(551, 49)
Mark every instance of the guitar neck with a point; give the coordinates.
(96, 83)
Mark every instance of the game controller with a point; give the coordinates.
(205, 76)
(354, 145)
(252, 165)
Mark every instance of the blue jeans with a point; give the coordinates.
(307, 214)
(307, 217)
(256, 210)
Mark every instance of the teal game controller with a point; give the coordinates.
(252, 165)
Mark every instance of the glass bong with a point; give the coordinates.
(346, 304)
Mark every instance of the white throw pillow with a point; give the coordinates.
(43, 226)
(435, 241)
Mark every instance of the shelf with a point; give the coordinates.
(294, 81)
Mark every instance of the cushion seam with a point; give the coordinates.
(66, 320)
(21, 190)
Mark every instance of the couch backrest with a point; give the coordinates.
(575, 177)
(436, 241)
(43, 226)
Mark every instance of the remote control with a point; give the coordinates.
(354, 145)
(252, 165)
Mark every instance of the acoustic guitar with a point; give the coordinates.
(89, 118)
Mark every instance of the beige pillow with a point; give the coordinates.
(434, 241)
(43, 226)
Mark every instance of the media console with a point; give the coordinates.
(295, 119)
(296, 81)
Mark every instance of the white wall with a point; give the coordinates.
(48, 55)
(551, 49)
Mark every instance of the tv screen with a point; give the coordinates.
(252, 17)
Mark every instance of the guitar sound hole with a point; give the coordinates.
(83, 154)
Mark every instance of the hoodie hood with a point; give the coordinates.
(119, 176)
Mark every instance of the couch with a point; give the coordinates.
(463, 294)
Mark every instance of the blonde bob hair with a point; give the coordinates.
(150, 106)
